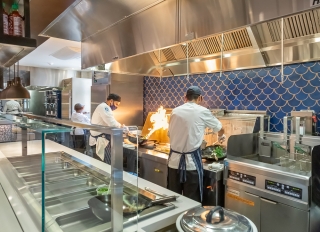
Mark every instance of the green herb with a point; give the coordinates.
(219, 152)
(103, 189)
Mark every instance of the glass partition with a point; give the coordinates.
(64, 184)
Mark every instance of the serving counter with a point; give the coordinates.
(49, 186)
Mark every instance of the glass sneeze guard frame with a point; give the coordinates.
(116, 174)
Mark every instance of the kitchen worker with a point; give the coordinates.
(12, 107)
(186, 130)
(78, 135)
(103, 115)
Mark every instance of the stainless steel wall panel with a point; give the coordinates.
(97, 50)
(293, 53)
(85, 17)
(143, 32)
(258, 11)
(130, 89)
(210, 17)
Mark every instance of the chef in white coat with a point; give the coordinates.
(103, 115)
(186, 130)
(12, 107)
(78, 135)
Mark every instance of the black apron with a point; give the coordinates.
(107, 149)
(196, 156)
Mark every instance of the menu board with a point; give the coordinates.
(241, 177)
(283, 189)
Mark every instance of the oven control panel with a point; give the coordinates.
(242, 177)
(284, 189)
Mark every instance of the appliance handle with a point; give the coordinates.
(268, 201)
(250, 194)
(212, 211)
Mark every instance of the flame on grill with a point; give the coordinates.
(159, 120)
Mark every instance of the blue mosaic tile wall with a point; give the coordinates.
(254, 89)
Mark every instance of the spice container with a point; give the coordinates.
(15, 21)
(5, 20)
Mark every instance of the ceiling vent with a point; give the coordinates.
(67, 53)
(232, 41)
(303, 24)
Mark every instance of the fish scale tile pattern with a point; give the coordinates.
(254, 89)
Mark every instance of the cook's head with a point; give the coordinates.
(78, 107)
(194, 94)
(113, 101)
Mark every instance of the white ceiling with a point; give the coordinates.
(41, 56)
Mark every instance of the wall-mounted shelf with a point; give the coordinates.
(12, 48)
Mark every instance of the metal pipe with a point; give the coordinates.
(297, 120)
(221, 59)
(161, 72)
(282, 50)
(188, 61)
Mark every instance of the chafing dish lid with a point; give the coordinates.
(209, 218)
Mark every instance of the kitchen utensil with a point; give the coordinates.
(214, 219)
(101, 205)
(141, 140)
(157, 193)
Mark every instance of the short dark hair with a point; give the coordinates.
(192, 97)
(115, 97)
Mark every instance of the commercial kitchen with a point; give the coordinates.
(257, 66)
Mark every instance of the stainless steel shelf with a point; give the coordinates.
(13, 49)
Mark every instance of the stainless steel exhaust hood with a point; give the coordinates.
(160, 38)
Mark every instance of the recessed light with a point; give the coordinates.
(50, 63)
(196, 60)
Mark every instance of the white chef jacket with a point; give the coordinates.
(186, 130)
(103, 116)
(12, 107)
(80, 118)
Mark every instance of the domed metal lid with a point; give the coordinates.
(214, 219)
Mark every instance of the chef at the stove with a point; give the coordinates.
(103, 115)
(186, 129)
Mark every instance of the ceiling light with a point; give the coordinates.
(17, 91)
(317, 40)
(196, 60)
(227, 55)
(50, 63)
(67, 53)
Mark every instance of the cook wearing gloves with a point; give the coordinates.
(186, 130)
(103, 115)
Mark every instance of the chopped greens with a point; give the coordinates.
(219, 152)
(102, 190)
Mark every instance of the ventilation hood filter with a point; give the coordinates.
(67, 53)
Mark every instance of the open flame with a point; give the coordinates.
(159, 120)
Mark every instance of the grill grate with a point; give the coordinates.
(306, 23)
